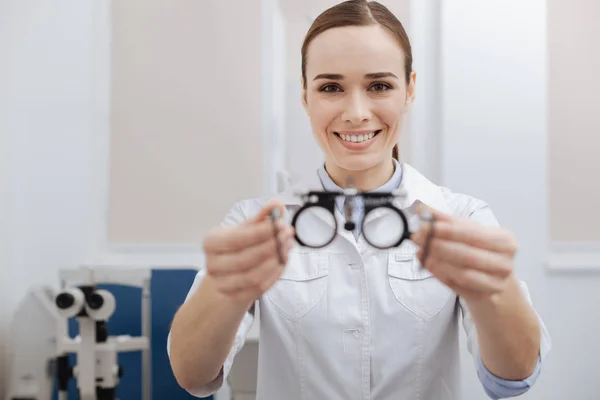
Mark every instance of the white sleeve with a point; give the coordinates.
(481, 213)
(235, 216)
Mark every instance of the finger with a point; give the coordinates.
(487, 238)
(426, 213)
(463, 280)
(467, 257)
(237, 238)
(252, 292)
(265, 212)
(258, 278)
(240, 295)
(271, 279)
(463, 230)
(250, 257)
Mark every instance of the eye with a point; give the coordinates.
(380, 87)
(330, 88)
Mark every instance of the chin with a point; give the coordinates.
(359, 162)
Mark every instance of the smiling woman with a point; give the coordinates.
(357, 83)
(346, 320)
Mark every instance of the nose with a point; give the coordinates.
(357, 109)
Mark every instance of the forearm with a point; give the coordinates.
(508, 332)
(202, 334)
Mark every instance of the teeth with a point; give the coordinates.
(357, 138)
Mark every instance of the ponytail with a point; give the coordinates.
(395, 153)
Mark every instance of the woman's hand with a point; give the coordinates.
(475, 261)
(244, 261)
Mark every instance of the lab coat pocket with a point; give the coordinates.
(301, 285)
(415, 287)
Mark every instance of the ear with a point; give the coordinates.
(410, 90)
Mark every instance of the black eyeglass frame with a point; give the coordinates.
(371, 200)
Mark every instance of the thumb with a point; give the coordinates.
(427, 214)
(265, 212)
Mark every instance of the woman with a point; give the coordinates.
(349, 321)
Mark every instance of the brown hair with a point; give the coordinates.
(360, 13)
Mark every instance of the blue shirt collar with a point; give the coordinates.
(392, 184)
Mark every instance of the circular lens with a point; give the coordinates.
(311, 217)
(383, 227)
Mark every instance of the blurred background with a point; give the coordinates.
(128, 128)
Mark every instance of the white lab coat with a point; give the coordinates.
(351, 322)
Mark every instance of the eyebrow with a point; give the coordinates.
(339, 77)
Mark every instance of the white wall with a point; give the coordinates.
(303, 155)
(574, 121)
(494, 146)
(45, 101)
(4, 198)
(4, 229)
(186, 128)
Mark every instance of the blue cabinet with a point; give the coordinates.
(168, 291)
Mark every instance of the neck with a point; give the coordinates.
(364, 180)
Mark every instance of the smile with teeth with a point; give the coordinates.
(358, 138)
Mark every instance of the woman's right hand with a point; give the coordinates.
(242, 261)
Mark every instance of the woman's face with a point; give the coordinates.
(356, 95)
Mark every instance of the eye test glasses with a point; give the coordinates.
(391, 229)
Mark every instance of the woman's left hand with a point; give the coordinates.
(473, 260)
